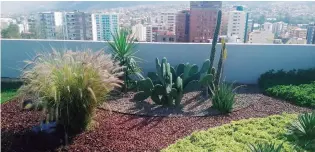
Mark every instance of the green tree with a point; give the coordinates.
(287, 18)
(12, 32)
(261, 19)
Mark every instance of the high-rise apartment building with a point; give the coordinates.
(224, 23)
(166, 21)
(151, 33)
(237, 23)
(310, 37)
(203, 18)
(51, 25)
(103, 25)
(182, 26)
(78, 26)
(267, 26)
(139, 32)
(278, 28)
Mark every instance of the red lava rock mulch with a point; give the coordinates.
(121, 133)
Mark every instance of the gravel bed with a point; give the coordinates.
(193, 104)
(118, 132)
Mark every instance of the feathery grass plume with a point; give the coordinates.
(71, 84)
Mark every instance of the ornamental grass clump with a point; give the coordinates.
(265, 147)
(70, 84)
(223, 98)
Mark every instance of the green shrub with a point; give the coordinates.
(303, 95)
(302, 130)
(281, 77)
(223, 98)
(236, 136)
(265, 147)
(71, 84)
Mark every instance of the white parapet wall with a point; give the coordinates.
(244, 63)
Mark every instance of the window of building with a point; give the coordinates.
(164, 39)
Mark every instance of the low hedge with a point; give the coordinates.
(293, 77)
(303, 95)
(237, 135)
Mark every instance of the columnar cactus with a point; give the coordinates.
(215, 38)
(213, 79)
(165, 91)
(220, 64)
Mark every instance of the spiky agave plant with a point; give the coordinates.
(223, 97)
(71, 84)
(302, 130)
(265, 147)
(123, 49)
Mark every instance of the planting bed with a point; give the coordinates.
(123, 132)
(193, 104)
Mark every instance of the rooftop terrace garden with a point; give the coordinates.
(93, 101)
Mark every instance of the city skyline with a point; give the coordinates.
(186, 21)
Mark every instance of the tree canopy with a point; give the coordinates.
(12, 32)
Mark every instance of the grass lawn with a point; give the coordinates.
(237, 135)
(7, 95)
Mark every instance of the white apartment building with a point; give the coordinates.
(261, 37)
(267, 26)
(78, 26)
(139, 32)
(237, 24)
(23, 28)
(104, 25)
(279, 27)
(166, 21)
(51, 25)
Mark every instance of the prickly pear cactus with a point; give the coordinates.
(165, 91)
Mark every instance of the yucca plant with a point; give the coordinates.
(70, 84)
(123, 49)
(302, 130)
(223, 98)
(265, 147)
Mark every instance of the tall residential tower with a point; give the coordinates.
(237, 24)
(203, 18)
(104, 24)
(182, 26)
(310, 36)
(78, 26)
(51, 25)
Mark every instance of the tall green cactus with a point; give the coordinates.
(165, 92)
(215, 38)
(213, 79)
(220, 64)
